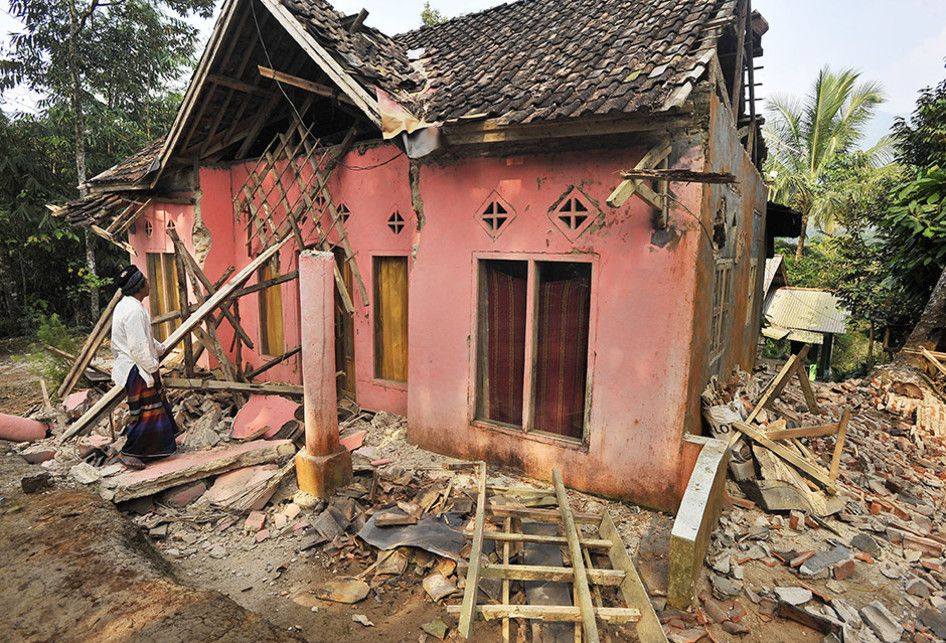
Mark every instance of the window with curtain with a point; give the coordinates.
(390, 318)
(270, 312)
(165, 296)
(551, 305)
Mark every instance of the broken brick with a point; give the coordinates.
(255, 521)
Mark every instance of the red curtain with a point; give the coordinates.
(562, 348)
(505, 292)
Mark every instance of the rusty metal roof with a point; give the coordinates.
(806, 309)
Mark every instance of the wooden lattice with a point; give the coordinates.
(288, 186)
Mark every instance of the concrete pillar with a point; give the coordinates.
(324, 465)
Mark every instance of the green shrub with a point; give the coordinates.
(50, 331)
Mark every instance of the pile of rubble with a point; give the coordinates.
(865, 563)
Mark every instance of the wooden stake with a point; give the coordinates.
(465, 628)
(89, 348)
(839, 445)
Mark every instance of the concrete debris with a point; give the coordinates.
(884, 624)
(361, 618)
(343, 591)
(793, 595)
(84, 473)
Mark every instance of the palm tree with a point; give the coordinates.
(805, 137)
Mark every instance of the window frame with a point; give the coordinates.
(718, 307)
(477, 362)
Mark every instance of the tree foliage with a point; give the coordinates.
(807, 137)
(430, 16)
(108, 75)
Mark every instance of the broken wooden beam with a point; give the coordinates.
(629, 187)
(818, 473)
(610, 577)
(108, 401)
(632, 587)
(189, 467)
(465, 627)
(273, 362)
(69, 357)
(678, 175)
(89, 348)
(207, 384)
(303, 83)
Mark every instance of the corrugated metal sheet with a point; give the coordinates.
(806, 309)
(805, 336)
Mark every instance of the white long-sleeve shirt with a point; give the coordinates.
(133, 344)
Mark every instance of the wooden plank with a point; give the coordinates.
(818, 431)
(185, 311)
(934, 361)
(580, 580)
(555, 613)
(839, 445)
(197, 273)
(70, 358)
(540, 515)
(735, 99)
(263, 285)
(310, 86)
(188, 467)
(465, 627)
(629, 187)
(208, 384)
(108, 401)
(814, 471)
(632, 588)
(593, 543)
(609, 577)
(89, 347)
(359, 96)
(806, 389)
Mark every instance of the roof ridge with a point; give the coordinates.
(462, 16)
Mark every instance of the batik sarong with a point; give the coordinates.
(151, 428)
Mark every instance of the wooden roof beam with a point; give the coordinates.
(308, 85)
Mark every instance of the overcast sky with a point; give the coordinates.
(901, 45)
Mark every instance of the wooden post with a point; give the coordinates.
(91, 345)
(185, 310)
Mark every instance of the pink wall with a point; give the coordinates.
(650, 308)
(642, 307)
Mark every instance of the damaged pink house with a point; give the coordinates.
(499, 280)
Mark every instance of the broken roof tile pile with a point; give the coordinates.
(99, 209)
(868, 563)
(545, 59)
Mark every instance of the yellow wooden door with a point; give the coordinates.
(390, 318)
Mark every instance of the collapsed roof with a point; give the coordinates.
(520, 62)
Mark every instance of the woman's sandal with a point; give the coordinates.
(131, 462)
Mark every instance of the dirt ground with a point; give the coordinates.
(85, 570)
